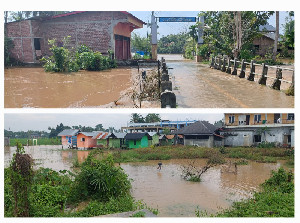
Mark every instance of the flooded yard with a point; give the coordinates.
(165, 189)
(33, 87)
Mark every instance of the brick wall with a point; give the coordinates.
(94, 29)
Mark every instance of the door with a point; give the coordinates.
(276, 117)
(247, 119)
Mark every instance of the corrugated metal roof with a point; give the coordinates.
(170, 136)
(198, 128)
(267, 28)
(119, 135)
(68, 132)
(136, 136)
(91, 134)
(152, 133)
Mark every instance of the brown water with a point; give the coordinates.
(165, 189)
(198, 86)
(33, 87)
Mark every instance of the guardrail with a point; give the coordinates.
(167, 97)
(239, 68)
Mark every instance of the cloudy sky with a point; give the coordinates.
(41, 121)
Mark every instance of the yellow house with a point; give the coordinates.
(237, 119)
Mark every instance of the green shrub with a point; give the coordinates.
(100, 179)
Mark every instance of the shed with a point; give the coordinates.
(200, 133)
(69, 138)
(87, 140)
(102, 140)
(137, 140)
(155, 138)
(116, 140)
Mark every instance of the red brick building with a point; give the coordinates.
(101, 31)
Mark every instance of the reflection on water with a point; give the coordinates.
(165, 189)
(33, 87)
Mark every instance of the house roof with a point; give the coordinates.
(170, 136)
(91, 134)
(162, 137)
(136, 136)
(78, 12)
(119, 135)
(152, 133)
(103, 135)
(198, 128)
(68, 132)
(267, 28)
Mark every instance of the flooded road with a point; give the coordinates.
(165, 189)
(198, 86)
(33, 87)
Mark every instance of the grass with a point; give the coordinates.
(40, 141)
(267, 155)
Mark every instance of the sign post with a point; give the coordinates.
(153, 37)
(200, 37)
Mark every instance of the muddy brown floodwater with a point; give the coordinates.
(33, 87)
(198, 86)
(165, 189)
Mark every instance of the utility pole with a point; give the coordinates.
(276, 37)
(200, 37)
(153, 37)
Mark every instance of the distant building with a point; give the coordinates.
(86, 140)
(101, 31)
(116, 140)
(69, 138)
(200, 133)
(156, 126)
(265, 42)
(137, 140)
(251, 129)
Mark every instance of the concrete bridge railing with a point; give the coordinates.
(241, 68)
(167, 97)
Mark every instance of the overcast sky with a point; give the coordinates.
(166, 28)
(36, 121)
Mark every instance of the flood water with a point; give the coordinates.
(197, 86)
(165, 189)
(33, 87)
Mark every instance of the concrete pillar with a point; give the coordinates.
(252, 72)
(154, 51)
(277, 82)
(166, 85)
(168, 99)
(243, 69)
(263, 78)
(235, 64)
(224, 64)
(165, 77)
(228, 70)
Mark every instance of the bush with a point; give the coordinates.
(100, 179)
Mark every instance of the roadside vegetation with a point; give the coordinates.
(97, 188)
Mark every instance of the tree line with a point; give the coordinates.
(225, 32)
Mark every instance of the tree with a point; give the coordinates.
(139, 43)
(229, 32)
(21, 15)
(276, 36)
(59, 128)
(173, 43)
(289, 32)
(99, 127)
(136, 118)
(152, 118)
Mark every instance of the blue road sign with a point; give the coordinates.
(177, 19)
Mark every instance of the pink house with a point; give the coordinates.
(87, 140)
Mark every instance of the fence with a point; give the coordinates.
(167, 97)
(239, 68)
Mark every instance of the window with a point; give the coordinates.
(82, 139)
(257, 118)
(196, 136)
(291, 116)
(231, 119)
(134, 142)
(257, 138)
(37, 44)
